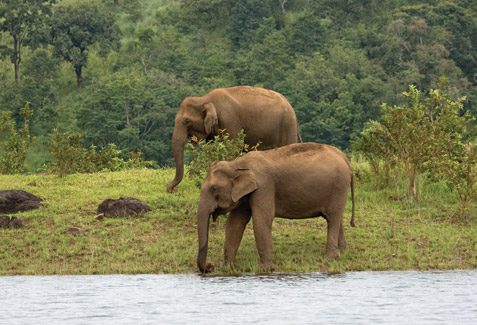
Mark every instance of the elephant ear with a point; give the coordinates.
(243, 183)
(210, 118)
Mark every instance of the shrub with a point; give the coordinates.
(69, 156)
(14, 143)
(222, 147)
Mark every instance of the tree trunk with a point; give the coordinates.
(79, 77)
(411, 191)
(16, 57)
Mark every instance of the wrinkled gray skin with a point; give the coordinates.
(264, 115)
(298, 181)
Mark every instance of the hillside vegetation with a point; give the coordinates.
(117, 73)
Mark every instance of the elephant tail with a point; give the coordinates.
(352, 200)
(298, 133)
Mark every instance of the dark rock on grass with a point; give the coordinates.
(6, 222)
(13, 201)
(15, 223)
(123, 207)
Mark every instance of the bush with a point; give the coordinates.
(14, 143)
(69, 156)
(221, 148)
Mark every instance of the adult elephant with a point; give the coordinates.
(264, 115)
(297, 181)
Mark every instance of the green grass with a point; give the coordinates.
(392, 233)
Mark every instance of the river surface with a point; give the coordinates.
(308, 298)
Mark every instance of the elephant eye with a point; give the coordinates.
(187, 121)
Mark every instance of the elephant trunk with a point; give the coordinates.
(203, 218)
(179, 139)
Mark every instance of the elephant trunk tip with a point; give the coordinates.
(208, 268)
(170, 187)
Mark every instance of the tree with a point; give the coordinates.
(77, 26)
(267, 61)
(453, 156)
(246, 17)
(123, 109)
(210, 14)
(403, 132)
(22, 19)
(429, 134)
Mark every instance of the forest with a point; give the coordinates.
(115, 72)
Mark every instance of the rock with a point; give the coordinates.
(13, 201)
(6, 222)
(15, 223)
(123, 207)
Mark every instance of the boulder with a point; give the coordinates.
(13, 201)
(123, 207)
(6, 222)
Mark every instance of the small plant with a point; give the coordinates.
(67, 153)
(15, 143)
(222, 147)
(136, 160)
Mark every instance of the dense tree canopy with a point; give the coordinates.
(336, 61)
(22, 20)
(77, 26)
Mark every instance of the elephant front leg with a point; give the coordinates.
(236, 223)
(262, 229)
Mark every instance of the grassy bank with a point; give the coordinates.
(392, 232)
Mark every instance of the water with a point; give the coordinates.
(310, 298)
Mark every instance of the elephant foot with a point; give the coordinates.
(230, 264)
(332, 253)
(266, 267)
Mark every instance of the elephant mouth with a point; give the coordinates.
(216, 214)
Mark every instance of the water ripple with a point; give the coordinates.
(311, 298)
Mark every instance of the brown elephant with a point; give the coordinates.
(297, 181)
(264, 115)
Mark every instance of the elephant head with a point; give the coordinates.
(195, 118)
(223, 190)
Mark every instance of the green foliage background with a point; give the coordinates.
(336, 61)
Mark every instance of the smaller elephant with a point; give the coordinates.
(297, 181)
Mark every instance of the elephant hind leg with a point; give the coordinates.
(289, 134)
(342, 239)
(335, 237)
